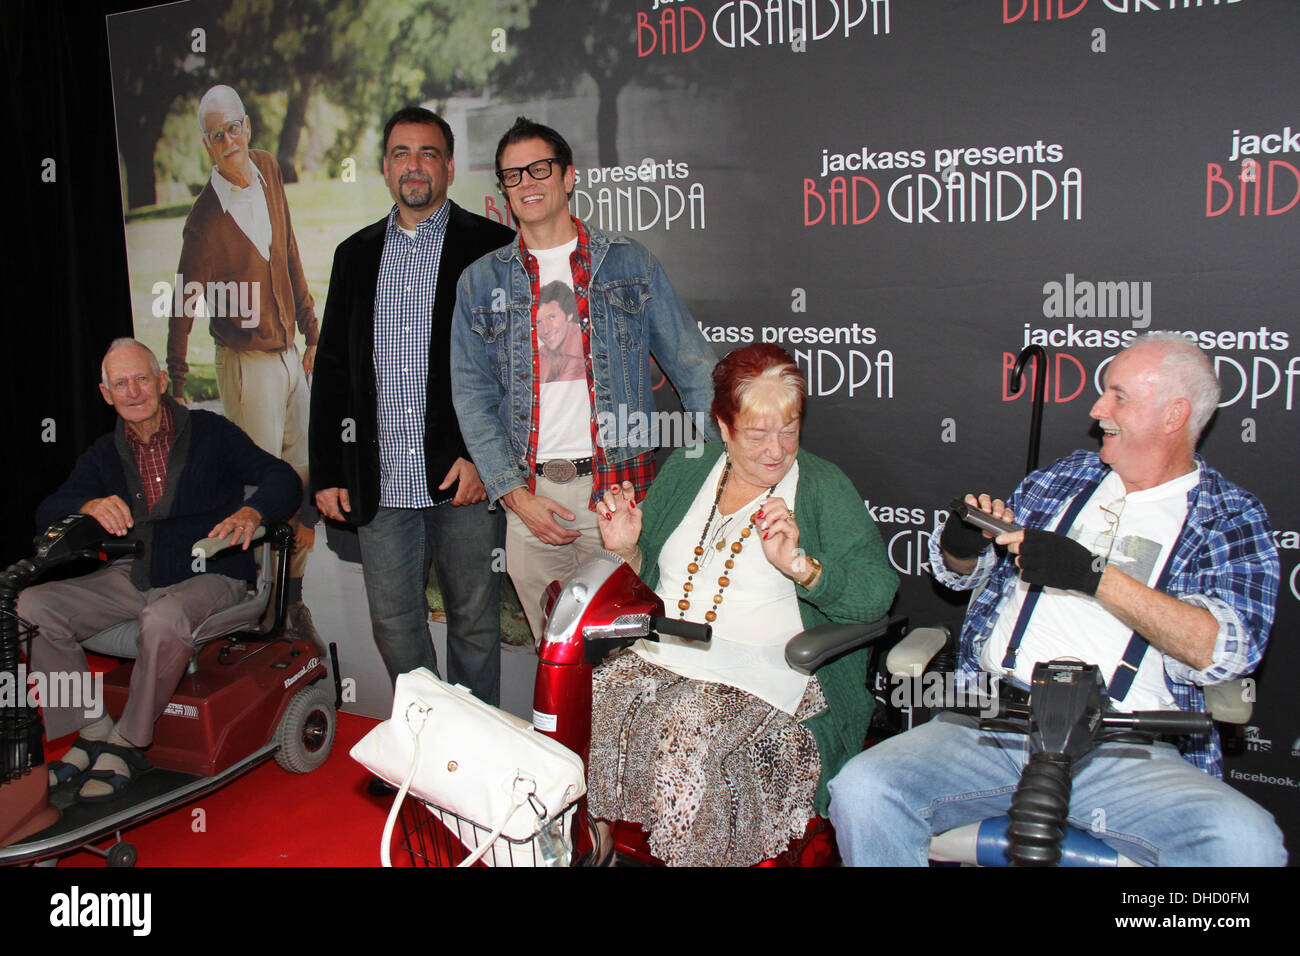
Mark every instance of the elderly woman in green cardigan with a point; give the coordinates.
(721, 751)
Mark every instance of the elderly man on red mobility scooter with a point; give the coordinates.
(166, 476)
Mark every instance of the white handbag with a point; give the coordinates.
(474, 761)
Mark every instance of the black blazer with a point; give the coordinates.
(344, 431)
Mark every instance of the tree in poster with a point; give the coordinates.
(566, 41)
(367, 56)
(151, 68)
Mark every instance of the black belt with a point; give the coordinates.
(563, 470)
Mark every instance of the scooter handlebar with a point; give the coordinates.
(1173, 722)
(117, 549)
(600, 641)
(680, 628)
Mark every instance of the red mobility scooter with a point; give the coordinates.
(602, 607)
(255, 695)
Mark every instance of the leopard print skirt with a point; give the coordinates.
(714, 775)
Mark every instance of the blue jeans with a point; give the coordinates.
(1143, 800)
(460, 542)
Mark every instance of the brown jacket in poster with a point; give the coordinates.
(215, 250)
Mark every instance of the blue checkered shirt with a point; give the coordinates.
(408, 279)
(1223, 561)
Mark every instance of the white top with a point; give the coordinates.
(247, 206)
(759, 610)
(564, 417)
(1136, 533)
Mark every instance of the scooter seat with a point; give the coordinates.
(123, 639)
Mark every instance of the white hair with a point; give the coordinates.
(122, 343)
(1185, 372)
(217, 97)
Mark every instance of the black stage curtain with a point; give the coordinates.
(65, 265)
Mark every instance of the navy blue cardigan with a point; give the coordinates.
(210, 463)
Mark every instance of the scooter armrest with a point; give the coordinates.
(211, 547)
(819, 645)
(1229, 702)
(912, 655)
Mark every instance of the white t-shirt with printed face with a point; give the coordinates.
(564, 418)
(1135, 532)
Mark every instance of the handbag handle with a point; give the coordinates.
(518, 797)
(385, 841)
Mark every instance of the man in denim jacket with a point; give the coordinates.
(547, 449)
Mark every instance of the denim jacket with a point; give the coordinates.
(634, 312)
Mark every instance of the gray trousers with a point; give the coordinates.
(72, 611)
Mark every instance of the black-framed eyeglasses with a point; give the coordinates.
(219, 135)
(514, 175)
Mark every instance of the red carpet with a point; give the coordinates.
(270, 817)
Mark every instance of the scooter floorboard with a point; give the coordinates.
(155, 791)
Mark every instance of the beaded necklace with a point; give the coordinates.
(737, 546)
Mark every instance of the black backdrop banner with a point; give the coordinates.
(904, 193)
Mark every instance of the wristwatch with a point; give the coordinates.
(813, 575)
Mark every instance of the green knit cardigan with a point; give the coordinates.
(857, 585)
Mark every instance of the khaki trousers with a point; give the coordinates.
(533, 564)
(266, 394)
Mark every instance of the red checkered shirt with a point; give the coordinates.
(639, 470)
(151, 457)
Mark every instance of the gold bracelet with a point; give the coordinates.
(813, 575)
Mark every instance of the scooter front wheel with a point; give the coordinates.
(122, 854)
(306, 731)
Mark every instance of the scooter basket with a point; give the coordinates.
(487, 770)
(434, 836)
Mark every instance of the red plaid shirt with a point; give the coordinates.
(151, 457)
(639, 470)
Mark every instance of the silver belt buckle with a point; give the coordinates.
(559, 470)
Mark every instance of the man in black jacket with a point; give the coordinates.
(166, 477)
(386, 450)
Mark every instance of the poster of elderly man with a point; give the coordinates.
(240, 269)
